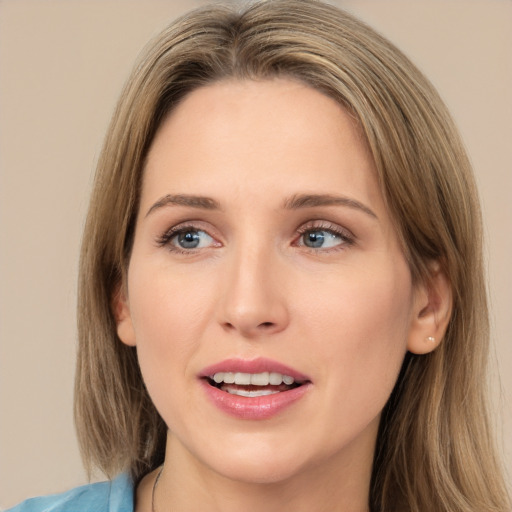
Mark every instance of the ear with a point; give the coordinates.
(432, 310)
(121, 309)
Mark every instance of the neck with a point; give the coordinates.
(338, 484)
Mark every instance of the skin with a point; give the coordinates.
(344, 313)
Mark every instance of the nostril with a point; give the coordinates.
(266, 324)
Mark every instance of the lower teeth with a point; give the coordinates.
(252, 393)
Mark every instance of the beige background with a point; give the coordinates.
(62, 64)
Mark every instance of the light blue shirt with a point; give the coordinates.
(114, 496)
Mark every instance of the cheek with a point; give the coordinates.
(361, 307)
(362, 330)
(169, 312)
(166, 304)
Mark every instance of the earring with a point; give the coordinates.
(431, 339)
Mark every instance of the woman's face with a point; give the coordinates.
(263, 248)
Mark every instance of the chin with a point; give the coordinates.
(259, 472)
(258, 463)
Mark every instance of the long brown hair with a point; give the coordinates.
(435, 449)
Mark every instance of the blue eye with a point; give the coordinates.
(191, 239)
(322, 239)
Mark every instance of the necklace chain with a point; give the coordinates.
(154, 489)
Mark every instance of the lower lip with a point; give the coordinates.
(253, 408)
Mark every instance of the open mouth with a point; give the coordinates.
(253, 384)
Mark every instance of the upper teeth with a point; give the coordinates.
(255, 379)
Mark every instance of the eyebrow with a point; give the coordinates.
(311, 200)
(295, 202)
(201, 202)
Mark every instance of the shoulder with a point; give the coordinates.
(113, 496)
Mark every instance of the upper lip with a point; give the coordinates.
(258, 365)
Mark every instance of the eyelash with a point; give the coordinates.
(347, 238)
(165, 239)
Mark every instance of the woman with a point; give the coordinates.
(281, 297)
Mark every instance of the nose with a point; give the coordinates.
(253, 302)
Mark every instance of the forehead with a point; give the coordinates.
(248, 136)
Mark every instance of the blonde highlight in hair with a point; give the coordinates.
(435, 448)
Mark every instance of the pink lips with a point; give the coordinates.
(253, 408)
